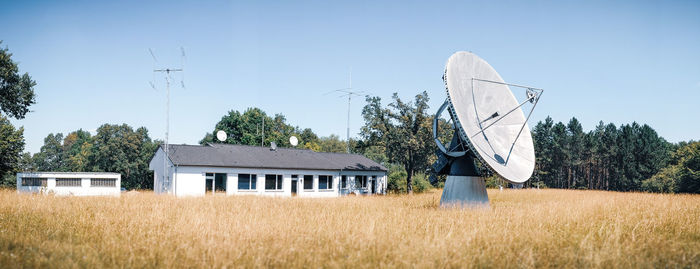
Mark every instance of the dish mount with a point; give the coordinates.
(489, 126)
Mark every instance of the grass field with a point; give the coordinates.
(523, 228)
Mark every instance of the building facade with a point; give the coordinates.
(194, 170)
(70, 183)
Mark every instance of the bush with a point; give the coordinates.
(420, 183)
(397, 181)
(492, 182)
(665, 181)
(8, 180)
(683, 176)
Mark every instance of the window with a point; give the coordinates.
(360, 182)
(103, 182)
(247, 181)
(33, 182)
(68, 182)
(308, 182)
(325, 182)
(344, 182)
(273, 182)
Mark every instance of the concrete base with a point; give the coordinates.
(464, 192)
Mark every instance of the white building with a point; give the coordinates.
(195, 170)
(70, 183)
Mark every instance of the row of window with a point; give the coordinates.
(69, 182)
(274, 182)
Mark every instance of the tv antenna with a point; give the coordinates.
(349, 92)
(167, 72)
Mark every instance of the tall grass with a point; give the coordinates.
(523, 228)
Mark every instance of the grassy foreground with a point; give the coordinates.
(523, 228)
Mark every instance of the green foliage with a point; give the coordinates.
(607, 157)
(77, 147)
(11, 146)
(402, 130)
(16, 91)
(421, 183)
(114, 148)
(120, 149)
(50, 157)
(688, 159)
(664, 181)
(682, 176)
(397, 181)
(332, 143)
(247, 129)
(493, 182)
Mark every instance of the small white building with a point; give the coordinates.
(70, 183)
(194, 170)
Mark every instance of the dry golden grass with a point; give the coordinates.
(523, 228)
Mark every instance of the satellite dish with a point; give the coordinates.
(293, 141)
(489, 125)
(221, 135)
(273, 146)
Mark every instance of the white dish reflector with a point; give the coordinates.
(221, 135)
(475, 93)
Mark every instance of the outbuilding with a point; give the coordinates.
(70, 183)
(196, 170)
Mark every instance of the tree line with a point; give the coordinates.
(254, 127)
(625, 158)
(114, 148)
(630, 157)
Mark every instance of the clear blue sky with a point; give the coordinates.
(616, 61)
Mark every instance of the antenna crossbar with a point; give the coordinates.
(349, 92)
(533, 98)
(166, 180)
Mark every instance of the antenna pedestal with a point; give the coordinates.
(463, 192)
(464, 187)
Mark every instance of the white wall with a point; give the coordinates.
(83, 190)
(381, 182)
(190, 181)
(160, 185)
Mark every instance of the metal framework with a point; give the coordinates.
(533, 96)
(349, 93)
(167, 72)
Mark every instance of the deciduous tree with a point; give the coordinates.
(16, 91)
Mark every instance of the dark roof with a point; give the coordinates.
(227, 155)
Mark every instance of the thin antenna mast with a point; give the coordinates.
(167, 72)
(349, 92)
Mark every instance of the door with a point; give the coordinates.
(209, 183)
(373, 186)
(220, 182)
(295, 181)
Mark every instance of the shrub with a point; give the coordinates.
(397, 182)
(492, 182)
(683, 176)
(420, 183)
(665, 181)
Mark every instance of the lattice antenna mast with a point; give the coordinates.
(167, 75)
(349, 92)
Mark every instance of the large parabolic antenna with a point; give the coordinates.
(489, 125)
